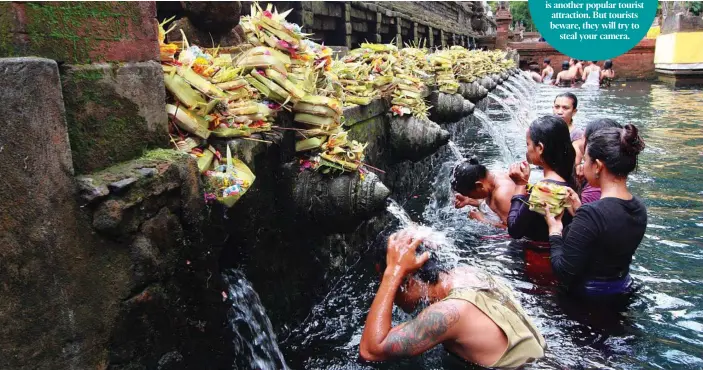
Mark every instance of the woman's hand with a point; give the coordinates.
(554, 223)
(520, 173)
(401, 256)
(573, 200)
(461, 201)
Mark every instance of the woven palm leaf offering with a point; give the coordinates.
(340, 154)
(228, 182)
(444, 74)
(549, 193)
(416, 61)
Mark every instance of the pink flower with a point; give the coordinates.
(268, 14)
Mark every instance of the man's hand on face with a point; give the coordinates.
(461, 201)
(401, 254)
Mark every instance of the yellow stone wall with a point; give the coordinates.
(679, 48)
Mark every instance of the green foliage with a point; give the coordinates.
(520, 12)
(695, 7)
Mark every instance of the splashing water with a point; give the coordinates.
(507, 108)
(508, 94)
(498, 138)
(254, 341)
(455, 150)
(399, 213)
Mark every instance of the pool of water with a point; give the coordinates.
(662, 328)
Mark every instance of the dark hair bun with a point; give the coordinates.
(474, 161)
(630, 141)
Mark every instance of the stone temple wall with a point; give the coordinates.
(349, 23)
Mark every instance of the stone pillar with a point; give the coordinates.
(308, 17)
(347, 24)
(39, 316)
(379, 21)
(443, 40)
(415, 36)
(399, 32)
(503, 20)
(430, 34)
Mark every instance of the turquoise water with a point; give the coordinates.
(663, 326)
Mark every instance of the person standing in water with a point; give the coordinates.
(607, 74)
(474, 316)
(534, 73)
(489, 191)
(589, 193)
(547, 71)
(564, 78)
(592, 255)
(566, 106)
(576, 69)
(549, 147)
(591, 75)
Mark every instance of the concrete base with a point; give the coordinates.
(680, 77)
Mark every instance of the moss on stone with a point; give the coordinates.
(64, 31)
(7, 48)
(104, 128)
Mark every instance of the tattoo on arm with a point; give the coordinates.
(421, 333)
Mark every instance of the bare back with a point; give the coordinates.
(503, 193)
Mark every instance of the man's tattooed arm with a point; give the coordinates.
(430, 328)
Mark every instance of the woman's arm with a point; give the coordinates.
(579, 146)
(519, 216)
(570, 254)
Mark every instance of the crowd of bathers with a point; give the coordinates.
(583, 244)
(573, 73)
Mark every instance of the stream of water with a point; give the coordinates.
(663, 325)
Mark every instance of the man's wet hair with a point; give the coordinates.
(534, 68)
(608, 64)
(428, 273)
(465, 174)
(547, 61)
(565, 65)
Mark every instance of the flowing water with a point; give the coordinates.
(456, 152)
(254, 341)
(663, 326)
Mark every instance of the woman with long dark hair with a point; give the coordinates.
(549, 147)
(589, 193)
(592, 255)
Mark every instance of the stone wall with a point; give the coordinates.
(350, 23)
(112, 84)
(105, 271)
(80, 32)
(636, 64)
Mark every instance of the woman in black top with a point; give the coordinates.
(593, 254)
(549, 147)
